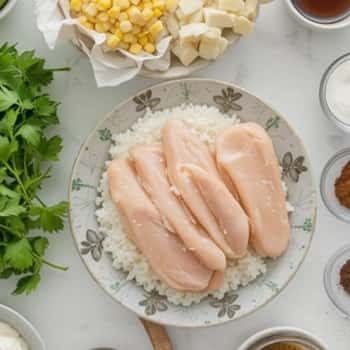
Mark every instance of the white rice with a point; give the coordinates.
(206, 122)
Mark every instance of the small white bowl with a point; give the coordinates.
(279, 334)
(27, 331)
(7, 8)
(343, 23)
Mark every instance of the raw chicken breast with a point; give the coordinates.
(150, 167)
(245, 153)
(182, 147)
(169, 259)
(232, 219)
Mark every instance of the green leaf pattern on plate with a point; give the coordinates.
(153, 303)
(226, 305)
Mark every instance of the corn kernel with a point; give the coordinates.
(124, 4)
(171, 5)
(143, 40)
(157, 12)
(119, 34)
(104, 5)
(103, 17)
(159, 4)
(150, 48)
(123, 17)
(99, 27)
(114, 12)
(88, 25)
(136, 29)
(156, 28)
(90, 10)
(147, 14)
(135, 49)
(113, 41)
(135, 2)
(125, 26)
(135, 16)
(76, 5)
(124, 46)
(129, 38)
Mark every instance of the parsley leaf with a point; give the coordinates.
(7, 98)
(19, 255)
(50, 219)
(50, 148)
(27, 284)
(31, 133)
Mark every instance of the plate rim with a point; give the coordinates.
(128, 100)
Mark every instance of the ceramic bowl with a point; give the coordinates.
(4, 11)
(89, 166)
(27, 331)
(287, 334)
(336, 293)
(309, 23)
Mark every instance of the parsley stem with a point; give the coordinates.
(40, 201)
(54, 266)
(64, 69)
(11, 231)
(15, 174)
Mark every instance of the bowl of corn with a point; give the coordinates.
(199, 30)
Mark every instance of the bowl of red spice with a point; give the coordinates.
(335, 185)
(337, 280)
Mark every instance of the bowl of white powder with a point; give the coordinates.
(335, 92)
(17, 333)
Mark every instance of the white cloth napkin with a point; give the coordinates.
(111, 68)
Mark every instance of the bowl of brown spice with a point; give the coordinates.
(335, 185)
(337, 280)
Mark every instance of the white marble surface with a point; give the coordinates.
(282, 62)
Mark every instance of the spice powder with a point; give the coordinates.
(345, 277)
(342, 186)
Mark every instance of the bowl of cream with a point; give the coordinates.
(17, 333)
(335, 92)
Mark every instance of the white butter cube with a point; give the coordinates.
(243, 26)
(173, 26)
(212, 45)
(231, 5)
(219, 18)
(192, 32)
(180, 16)
(190, 6)
(196, 17)
(250, 8)
(185, 52)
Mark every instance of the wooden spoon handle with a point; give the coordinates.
(158, 335)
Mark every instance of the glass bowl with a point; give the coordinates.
(323, 93)
(330, 173)
(335, 291)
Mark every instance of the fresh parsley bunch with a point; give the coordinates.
(25, 113)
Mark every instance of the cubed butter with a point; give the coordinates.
(231, 5)
(191, 33)
(250, 9)
(243, 26)
(190, 6)
(173, 26)
(219, 18)
(212, 45)
(185, 52)
(196, 17)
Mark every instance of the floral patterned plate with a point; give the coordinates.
(296, 173)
